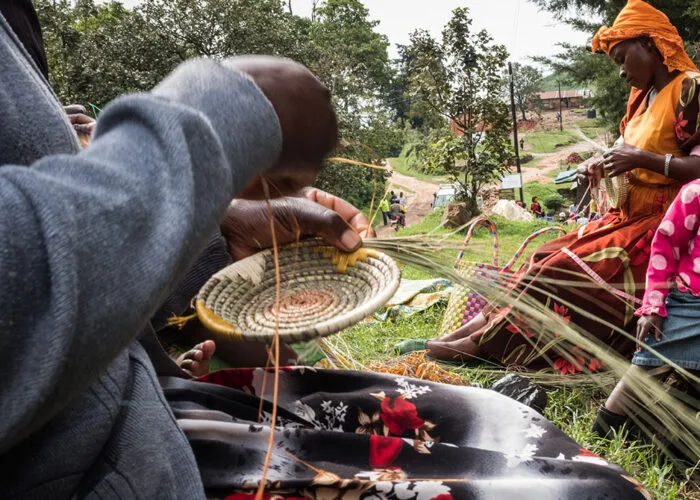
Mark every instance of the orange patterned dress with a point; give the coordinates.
(613, 251)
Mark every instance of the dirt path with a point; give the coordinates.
(549, 162)
(419, 197)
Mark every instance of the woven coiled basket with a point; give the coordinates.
(616, 188)
(323, 291)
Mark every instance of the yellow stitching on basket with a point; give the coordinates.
(216, 324)
(342, 260)
(180, 321)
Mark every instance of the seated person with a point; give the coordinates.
(669, 319)
(536, 208)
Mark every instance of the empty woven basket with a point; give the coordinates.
(323, 291)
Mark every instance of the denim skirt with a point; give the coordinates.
(681, 334)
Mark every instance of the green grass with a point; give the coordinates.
(549, 141)
(399, 164)
(571, 409)
(531, 189)
(591, 127)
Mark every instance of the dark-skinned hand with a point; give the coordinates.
(589, 172)
(246, 224)
(307, 119)
(621, 159)
(649, 324)
(82, 123)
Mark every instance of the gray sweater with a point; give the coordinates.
(90, 244)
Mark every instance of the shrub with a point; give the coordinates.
(526, 158)
(554, 202)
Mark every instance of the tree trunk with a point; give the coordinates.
(289, 4)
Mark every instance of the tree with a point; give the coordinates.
(460, 78)
(351, 58)
(98, 51)
(409, 109)
(527, 84)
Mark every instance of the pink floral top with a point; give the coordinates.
(675, 252)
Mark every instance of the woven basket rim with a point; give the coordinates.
(371, 303)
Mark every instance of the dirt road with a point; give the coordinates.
(419, 197)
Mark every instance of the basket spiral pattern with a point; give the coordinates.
(323, 291)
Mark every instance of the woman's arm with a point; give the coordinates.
(677, 229)
(91, 243)
(624, 158)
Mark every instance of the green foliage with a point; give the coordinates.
(98, 51)
(549, 141)
(527, 83)
(592, 128)
(349, 56)
(554, 202)
(526, 158)
(460, 78)
(552, 81)
(400, 164)
(536, 189)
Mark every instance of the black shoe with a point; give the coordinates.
(607, 422)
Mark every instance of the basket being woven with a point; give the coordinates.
(616, 188)
(322, 292)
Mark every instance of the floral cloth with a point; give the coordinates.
(353, 435)
(675, 252)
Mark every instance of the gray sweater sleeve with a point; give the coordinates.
(91, 244)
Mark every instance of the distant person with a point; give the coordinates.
(536, 208)
(393, 198)
(522, 143)
(384, 207)
(397, 212)
(402, 200)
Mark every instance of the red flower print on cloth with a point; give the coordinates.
(586, 453)
(518, 327)
(588, 457)
(246, 496)
(265, 496)
(643, 246)
(235, 378)
(680, 125)
(562, 311)
(383, 450)
(566, 367)
(595, 365)
(400, 415)
(444, 496)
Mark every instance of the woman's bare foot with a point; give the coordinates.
(196, 360)
(462, 350)
(476, 323)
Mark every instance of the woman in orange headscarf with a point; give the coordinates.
(657, 154)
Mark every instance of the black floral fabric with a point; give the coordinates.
(367, 436)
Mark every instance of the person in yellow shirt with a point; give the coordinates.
(384, 207)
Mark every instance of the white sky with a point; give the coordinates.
(517, 24)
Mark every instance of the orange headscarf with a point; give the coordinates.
(639, 18)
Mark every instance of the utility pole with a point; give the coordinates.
(561, 114)
(515, 130)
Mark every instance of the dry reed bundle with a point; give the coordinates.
(417, 365)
